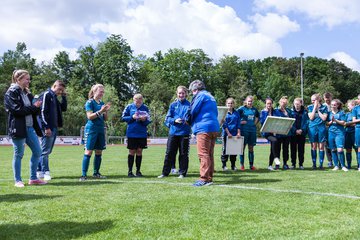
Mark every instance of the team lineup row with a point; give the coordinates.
(30, 117)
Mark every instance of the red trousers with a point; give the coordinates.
(205, 149)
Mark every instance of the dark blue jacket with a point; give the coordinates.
(232, 123)
(51, 110)
(301, 121)
(178, 109)
(17, 111)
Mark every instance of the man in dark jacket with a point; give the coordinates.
(51, 120)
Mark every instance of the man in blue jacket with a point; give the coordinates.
(203, 119)
(51, 119)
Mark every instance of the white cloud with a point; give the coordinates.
(274, 25)
(345, 59)
(330, 13)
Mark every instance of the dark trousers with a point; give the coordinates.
(224, 157)
(297, 147)
(273, 149)
(283, 142)
(175, 144)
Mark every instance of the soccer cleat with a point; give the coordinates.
(37, 182)
(359, 169)
(130, 174)
(161, 176)
(253, 168)
(199, 183)
(335, 168)
(19, 184)
(225, 169)
(174, 171)
(39, 174)
(344, 169)
(138, 174)
(285, 167)
(277, 161)
(82, 179)
(181, 176)
(98, 176)
(242, 168)
(314, 167)
(47, 176)
(301, 168)
(270, 168)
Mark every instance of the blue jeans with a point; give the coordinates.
(47, 144)
(19, 147)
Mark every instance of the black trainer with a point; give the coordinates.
(130, 174)
(139, 174)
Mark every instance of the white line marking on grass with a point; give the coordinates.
(255, 188)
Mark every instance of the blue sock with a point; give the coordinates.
(341, 158)
(242, 160)
(85, 164)
(335, 158)
(358, 159)
(321, 157)
(313, 157)
(251, 158)
(348, 159)
(97, 163)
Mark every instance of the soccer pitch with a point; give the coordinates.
(292, 204)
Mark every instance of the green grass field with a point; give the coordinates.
(293, 204)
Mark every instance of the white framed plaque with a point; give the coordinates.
(222, 111)
(234, 145)
(278, 125)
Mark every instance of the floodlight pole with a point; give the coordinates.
(301, 76)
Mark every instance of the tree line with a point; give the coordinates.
(113, 64)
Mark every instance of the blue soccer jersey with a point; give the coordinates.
(317, 120)
(251, 116)
(336, 131)
(96, 124)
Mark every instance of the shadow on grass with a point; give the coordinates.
(25, 197)
(240, 180)
(85, 183)
(53, 230)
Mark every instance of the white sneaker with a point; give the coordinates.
(335, 168)
(359, 169)
(277, 161)
(181, 176)
(235, 169)
(270, 168)
(39, 175)
(344, 169)
(174, 171)
(225, 168)
(47, 176)
(161, 176)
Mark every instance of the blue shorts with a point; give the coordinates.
(336, 140)
(94, 140)
(317, 134)
(349, 140)
(249, 138)
(357, 136)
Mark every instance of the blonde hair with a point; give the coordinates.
(338, 102)
(137, 96)
(59, 83)
(93, 89)
(182, 88)
(230, 99)
(317, 97)
(18, 74)
(351, 102)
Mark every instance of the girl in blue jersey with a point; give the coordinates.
(249, 118)
(269, 111)
(230, 128)
(350, 134)
(283, 141)
(317, 131)
(178, 139)
(137, 116)
(336, 138)
(94, 133)
(356, 120)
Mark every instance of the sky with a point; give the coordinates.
(250, 29)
